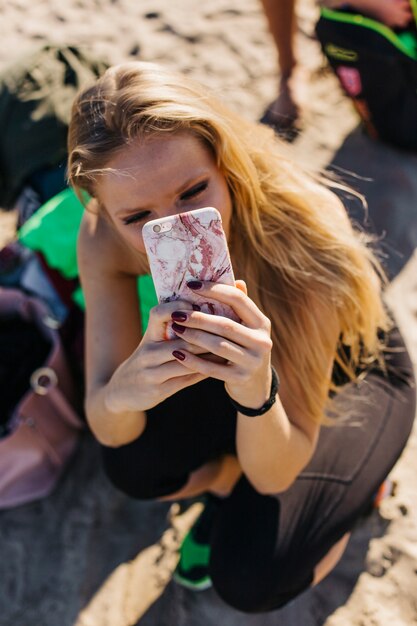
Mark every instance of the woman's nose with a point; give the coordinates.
(170, 211)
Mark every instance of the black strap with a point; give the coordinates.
(267, 405)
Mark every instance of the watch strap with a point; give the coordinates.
(267, 405)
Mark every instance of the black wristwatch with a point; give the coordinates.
(267, 405)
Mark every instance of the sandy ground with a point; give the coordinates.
(88, 556)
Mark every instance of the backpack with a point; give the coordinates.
(377, 68)
(36, 95)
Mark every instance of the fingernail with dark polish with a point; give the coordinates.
(179, 316)
(194, 284)
(196, 308)
(178, 328)
(178, 355)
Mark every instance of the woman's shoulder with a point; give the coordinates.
(100, 249)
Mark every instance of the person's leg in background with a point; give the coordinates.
(283, 111)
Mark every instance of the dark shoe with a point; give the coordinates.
(282, 115)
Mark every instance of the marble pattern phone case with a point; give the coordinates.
(189, 246)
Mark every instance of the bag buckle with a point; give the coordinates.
(42, 380)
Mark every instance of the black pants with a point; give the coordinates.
(264, 548)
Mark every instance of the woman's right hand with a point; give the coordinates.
(151, 374)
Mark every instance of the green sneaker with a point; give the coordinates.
(192, 570)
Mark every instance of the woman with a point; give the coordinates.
(284, 492)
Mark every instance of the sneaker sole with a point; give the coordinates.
(198, 585)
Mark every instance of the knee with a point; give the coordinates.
(256, 587)
(254, 597)
(138, 487)
(137, 479)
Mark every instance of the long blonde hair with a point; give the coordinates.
(291, 240)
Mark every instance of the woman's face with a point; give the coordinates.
(162, 176)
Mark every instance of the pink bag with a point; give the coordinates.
(44, 426)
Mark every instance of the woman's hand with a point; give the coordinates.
(245, 348)
(152, 374)
(287, 443)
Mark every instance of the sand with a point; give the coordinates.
(89, 556)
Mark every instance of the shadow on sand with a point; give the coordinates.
(387, 177)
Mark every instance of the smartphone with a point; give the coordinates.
(189, 246)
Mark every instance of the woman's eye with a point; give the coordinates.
(194, 191)
(137, 217)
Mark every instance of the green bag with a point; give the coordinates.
(53, 231)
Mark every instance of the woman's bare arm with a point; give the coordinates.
(275, 447)
(112, 330)
(126, 374)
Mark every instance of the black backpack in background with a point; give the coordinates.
(377, 68)
(36, 95)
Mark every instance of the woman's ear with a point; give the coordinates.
(240, 284)
(93, 206)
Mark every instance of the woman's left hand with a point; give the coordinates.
(245, 347)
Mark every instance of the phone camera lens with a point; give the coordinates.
(156, 228)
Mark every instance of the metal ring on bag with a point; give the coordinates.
(42, 380)
(51, 322)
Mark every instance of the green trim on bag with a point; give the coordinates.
(406, 42)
